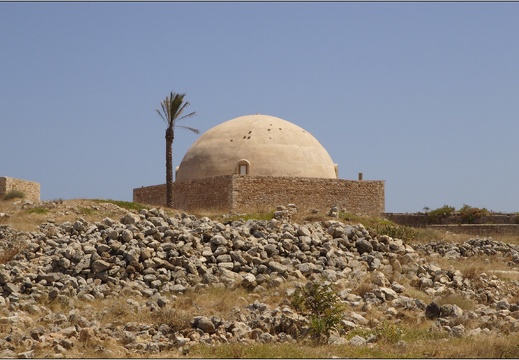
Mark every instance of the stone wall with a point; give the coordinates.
(422, 220)
(31, 189)
(152, 195)
(482, 230)
(246, 193)
(212, 193)
(264, 192)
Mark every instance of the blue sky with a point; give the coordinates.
(422, 95)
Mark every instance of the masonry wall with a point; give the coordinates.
(31, 189)
(152, 195)
(264, 192)
(212, 193)
(422, 220)
(246, 193)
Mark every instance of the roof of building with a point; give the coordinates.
(269, 145)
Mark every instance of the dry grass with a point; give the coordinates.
(30, 217)
(421, 339)
(462, 302)
(418, 342)
(362, 288)
(214, 300)
(8, 254)
(507, 238)
(472, 267)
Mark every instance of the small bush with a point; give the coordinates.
(405, 233)
(389, 333)
(38, 210)
(346, 216)
(14, 194)
(469, 214)
(176, 319)
(321, 306)
(443, 212)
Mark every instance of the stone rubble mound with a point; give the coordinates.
(160, 257)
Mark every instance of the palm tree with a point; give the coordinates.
(172, 109)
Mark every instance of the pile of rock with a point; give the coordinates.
(159, 257)
(472, 247)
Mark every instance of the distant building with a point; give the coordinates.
(257, 162)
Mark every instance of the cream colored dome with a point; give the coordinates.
(264, 145)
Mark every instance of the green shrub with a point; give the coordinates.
(405, 233)
(443, 212)
(38, 210)
(321, 306)
(14, 194)
(389, 333)
(470, 214)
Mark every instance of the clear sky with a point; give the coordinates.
(422, 95)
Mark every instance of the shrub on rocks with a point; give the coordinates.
(321, 305)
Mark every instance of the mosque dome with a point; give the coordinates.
(256, 145)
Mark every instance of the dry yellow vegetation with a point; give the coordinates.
(409, 337)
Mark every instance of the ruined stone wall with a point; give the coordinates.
(31, 189)
(246, 193)
(264, 192)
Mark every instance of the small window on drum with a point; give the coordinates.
(243, 167)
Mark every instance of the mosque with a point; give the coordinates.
(256, 162)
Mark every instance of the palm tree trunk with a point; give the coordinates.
(169, 166)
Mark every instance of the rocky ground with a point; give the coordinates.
(57, 274)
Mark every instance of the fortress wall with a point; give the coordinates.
(31, 189)
(212, 193)
(365, 197)
(152, 195)
(265, 192)
(248, 193)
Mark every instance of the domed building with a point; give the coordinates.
(257, 162)
(256, 145)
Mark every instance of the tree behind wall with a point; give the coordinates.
(173, 107)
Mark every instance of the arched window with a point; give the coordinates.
(243, 167)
